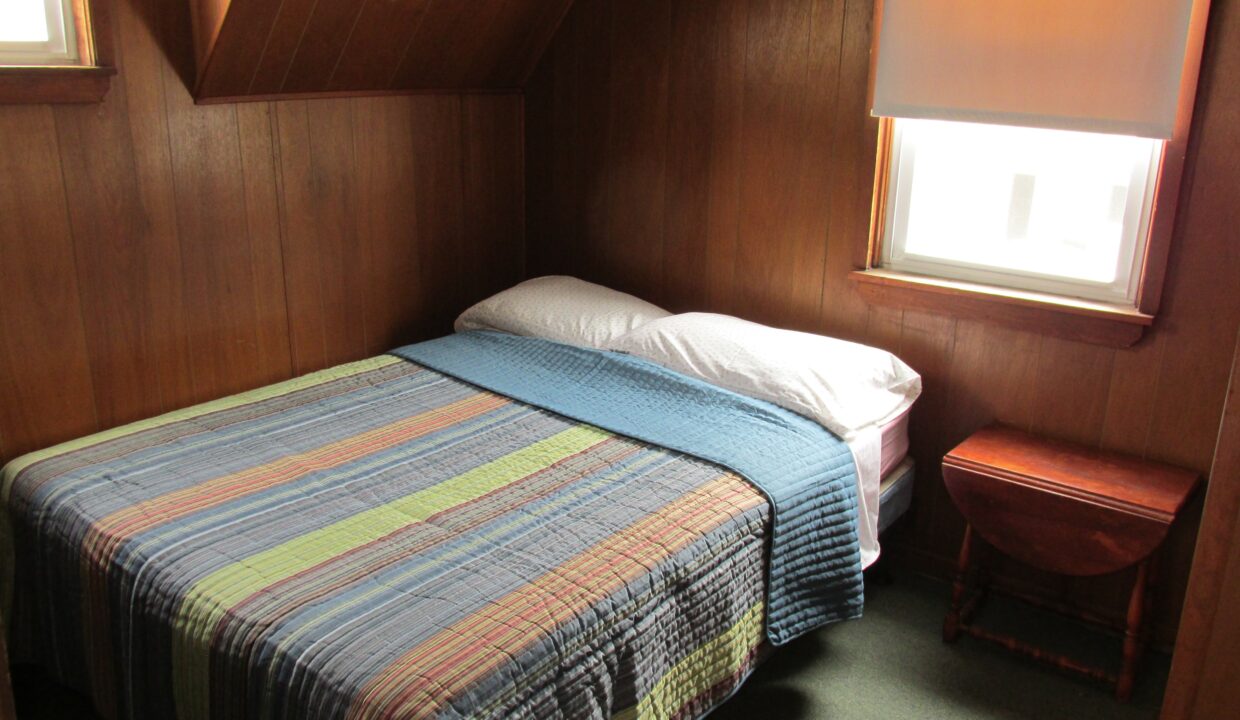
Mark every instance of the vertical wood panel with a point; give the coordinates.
(1205, 265)
(578, 124)
(1200, 313)
(387, 223)
(1217, 697)
(1081, 376)
(143, 81)
(852, 180)
(307, 334)
(492, 183)
(635, 150)
(928, 345)
(439, 209)
(1206, 656)
(776, 67)
(325, 265)
(147, 241)
(706, 72)
(46, 380)
(582, 113)
(344, 263)
(1131, 397)
(766, 150)
(724, 182)
(540, 141)
(262, 212)
(109, 230)
(808, 223)
(218, 278)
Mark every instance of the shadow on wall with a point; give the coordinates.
(171, 26)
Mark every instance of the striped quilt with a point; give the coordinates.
(383, 540)
(808, 474)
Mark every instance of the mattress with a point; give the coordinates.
(895, 494)
(893, 443)
(382, 539)
(876, 452)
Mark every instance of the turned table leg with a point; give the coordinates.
(1134, 635)
(951, 624)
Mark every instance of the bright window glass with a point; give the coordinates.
(37, 32)
(23, 21)
(1045, 210)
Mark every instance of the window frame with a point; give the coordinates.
(86, 80)
(1104, 323)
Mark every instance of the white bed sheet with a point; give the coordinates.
(867, 446)
(876, 451)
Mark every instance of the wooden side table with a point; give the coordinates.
(1064, 509)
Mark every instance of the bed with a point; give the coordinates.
(453, 530)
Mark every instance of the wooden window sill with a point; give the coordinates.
(54, 84)
(1085, 320)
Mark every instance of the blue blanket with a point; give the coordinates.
(806, 472)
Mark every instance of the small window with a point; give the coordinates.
(54, 51)
(38, 32)
(1052, 211)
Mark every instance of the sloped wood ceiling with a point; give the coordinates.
(267, 47)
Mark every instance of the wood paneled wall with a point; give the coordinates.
(719, 155)
(1207, 651)
(154, 253)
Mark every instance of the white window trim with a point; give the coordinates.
(61, 47)
(1128, 274)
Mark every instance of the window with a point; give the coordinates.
(1052, 211)
(1029, 160)
(54, 51)
(37, 32)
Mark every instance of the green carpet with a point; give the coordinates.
(893, 665)
(890, 665)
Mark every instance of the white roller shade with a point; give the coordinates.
(1111, 66)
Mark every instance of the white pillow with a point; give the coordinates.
(563, 309)
(844, 386)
